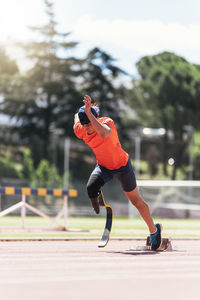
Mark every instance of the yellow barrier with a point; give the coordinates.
(23, 205)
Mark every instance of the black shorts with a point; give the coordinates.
(125, 175)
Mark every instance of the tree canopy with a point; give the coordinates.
(166, 95)
(45, 99)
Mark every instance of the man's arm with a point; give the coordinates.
(102, 129)
(77, 129)
(76, 118)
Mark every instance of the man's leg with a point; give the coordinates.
(98, 178)
(93, 187)
(142, 207)
(126, 176)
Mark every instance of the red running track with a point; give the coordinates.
(79, 270)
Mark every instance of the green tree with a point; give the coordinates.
(7, 169)
(47, 95)
(100, 80)
(9, 76)
(8, 71)
(165, 96)
(46, 176)
(28, 168)
(7, 65)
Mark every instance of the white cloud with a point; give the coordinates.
(145, 37)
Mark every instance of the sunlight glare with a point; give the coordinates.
(16, 16)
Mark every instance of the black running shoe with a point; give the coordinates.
(155, 238)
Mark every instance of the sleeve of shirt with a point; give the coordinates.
(109, 122)
(78, 130)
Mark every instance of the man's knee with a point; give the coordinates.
(136, 199)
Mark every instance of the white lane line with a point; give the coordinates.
(98, 277)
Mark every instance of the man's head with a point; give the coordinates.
(83, 117)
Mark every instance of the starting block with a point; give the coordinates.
(165, 245)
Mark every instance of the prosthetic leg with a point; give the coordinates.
(109, 216)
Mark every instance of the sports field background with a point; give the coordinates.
(10, 226)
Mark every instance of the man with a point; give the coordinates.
(100, 134)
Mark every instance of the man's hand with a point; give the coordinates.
(88, 103)
(102, 129)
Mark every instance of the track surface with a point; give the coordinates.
(80, 270)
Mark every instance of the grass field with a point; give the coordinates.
(10, 226)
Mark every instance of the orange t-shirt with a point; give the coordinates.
(108, 151)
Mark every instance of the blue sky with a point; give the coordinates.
(126, 29)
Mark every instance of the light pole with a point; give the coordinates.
(56, 132)
(137, 155)
(66, 163)
(190, 130)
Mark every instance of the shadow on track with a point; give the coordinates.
(129, 252)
